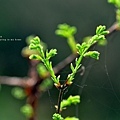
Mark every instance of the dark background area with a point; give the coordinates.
(100, 98)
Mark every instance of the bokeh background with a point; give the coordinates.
(100, 94)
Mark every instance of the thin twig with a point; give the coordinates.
(61, 92)
(60, 97)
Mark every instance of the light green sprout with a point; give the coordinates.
(44, 57)
(83, 51)
(18, 93)
(117, 5)
(59, 117)
(115, 2)
(68, 32)
(27, 110)
(71, 100)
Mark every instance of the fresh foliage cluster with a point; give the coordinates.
(44, 57)
(71, 100)
(117, 5)
(115, 2)
(59, 117)
(83, 51)
(67, 32)
(37, 51)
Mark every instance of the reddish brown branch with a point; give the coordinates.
(64, 63)
(13, 81)
(113, 28)
(33, 91)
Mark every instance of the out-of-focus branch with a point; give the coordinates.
(64, 63)
(113, 28)
(33, 91)
(13, 81)
(17, 81)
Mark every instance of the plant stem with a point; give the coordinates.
(113, 28)
(61, 92)
(33, 92)
(72, 43)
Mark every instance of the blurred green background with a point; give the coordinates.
(100, 94)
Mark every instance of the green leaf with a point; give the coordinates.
(68, 32)
(92, 54)
(36, 40)
(101, 37)
(70, 77)
(42, 70)
(46, 84)
(73, 30)
(71, 66)
(32, 46)
(27, 110)
(58, 78)
(93, 39)
(35, 57)
(118, 17)
(51, 53)
(65, 30)
(71, 100)
(105, 32)
(87, 39)
(57, 117)
(101, 30)
(79, 48)
(102, 42)
(18, 93)
(112, 1)
(84, 45)
(74, 99)
(71, 118)
(115, 2)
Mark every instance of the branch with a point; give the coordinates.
(13, 81)
(64, 63)
(113, 28)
